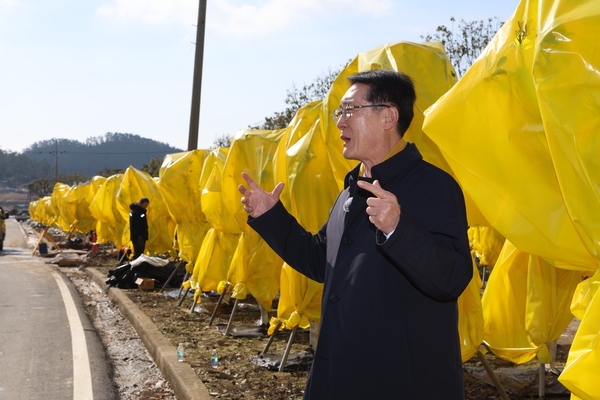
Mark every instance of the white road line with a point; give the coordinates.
(82, 376)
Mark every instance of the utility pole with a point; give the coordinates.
(56, 153)
(197, 82)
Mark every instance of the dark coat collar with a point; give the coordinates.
(388, 169)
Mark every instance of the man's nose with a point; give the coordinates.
(341, 123)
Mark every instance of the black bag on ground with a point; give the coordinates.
(124, 276)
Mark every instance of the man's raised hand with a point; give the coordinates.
(256, 201)
(383, 210)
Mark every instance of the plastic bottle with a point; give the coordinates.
(180, 353)
(214, 358)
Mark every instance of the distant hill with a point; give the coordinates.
(111, 151)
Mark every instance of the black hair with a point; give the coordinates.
(390, 87)
(144, 200)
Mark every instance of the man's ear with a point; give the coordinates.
(390, 117)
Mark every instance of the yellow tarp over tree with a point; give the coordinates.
(520, 132)
(56, 204)
(255, 268)
(135, 185)
(221, 239)
(179, 183)
(110, 224)
(526, 305)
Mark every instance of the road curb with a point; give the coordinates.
(181, 376)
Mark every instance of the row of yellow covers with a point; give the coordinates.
(519, 132)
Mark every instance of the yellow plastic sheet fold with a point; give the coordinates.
(520, 132)
(179, 184)
(111, 223)
(74, 209)
(585, 292)
(56, 203)
(218, 245)
(486, 244)
(253, 265)
(526, 305)
(497, 129)
(299, 300)
(580, 374)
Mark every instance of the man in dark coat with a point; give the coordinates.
(138, 226)
(393, 256)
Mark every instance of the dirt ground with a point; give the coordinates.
(237, 377)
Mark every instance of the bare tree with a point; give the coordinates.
(153, 167)
(296, 98)
(223, 141)
(466, 45)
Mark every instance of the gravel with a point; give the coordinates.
(135, 373)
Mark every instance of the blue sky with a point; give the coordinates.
(76, 69)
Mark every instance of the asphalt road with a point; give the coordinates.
(48, 347)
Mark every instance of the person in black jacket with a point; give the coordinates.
(138, 226)
(393, 256)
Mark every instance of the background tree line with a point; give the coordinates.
(111, 151)
(16, 168)
(35, 167)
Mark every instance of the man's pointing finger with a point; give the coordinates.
(373, 188)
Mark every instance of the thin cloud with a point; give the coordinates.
(9, 3)
(247, 19)
(151, 11)
(275, 15)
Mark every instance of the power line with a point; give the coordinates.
(56, 153)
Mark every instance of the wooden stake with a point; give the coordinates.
(492, 375)
(45, 234)
(270, 341)
(185, 278)
(286, 353)
(179, 264)
(542, 383)
(212, 317)
(193, 304)
(231, 317)
(184, 296)
(38, 242)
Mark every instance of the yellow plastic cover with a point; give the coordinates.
(519, 131)
(179, 183)
(135, 185)
(302, 163)
(299, 300)
(213, 261)
(526, 305)
(580, 375)
(470, 317)
(101, 228)
(253, 265)
(103, 207)
(584, 294)
(516, 131)
(56, 203)
(75, 211)
(486, 244)
(219, 243)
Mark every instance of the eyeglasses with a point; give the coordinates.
(346, 111)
